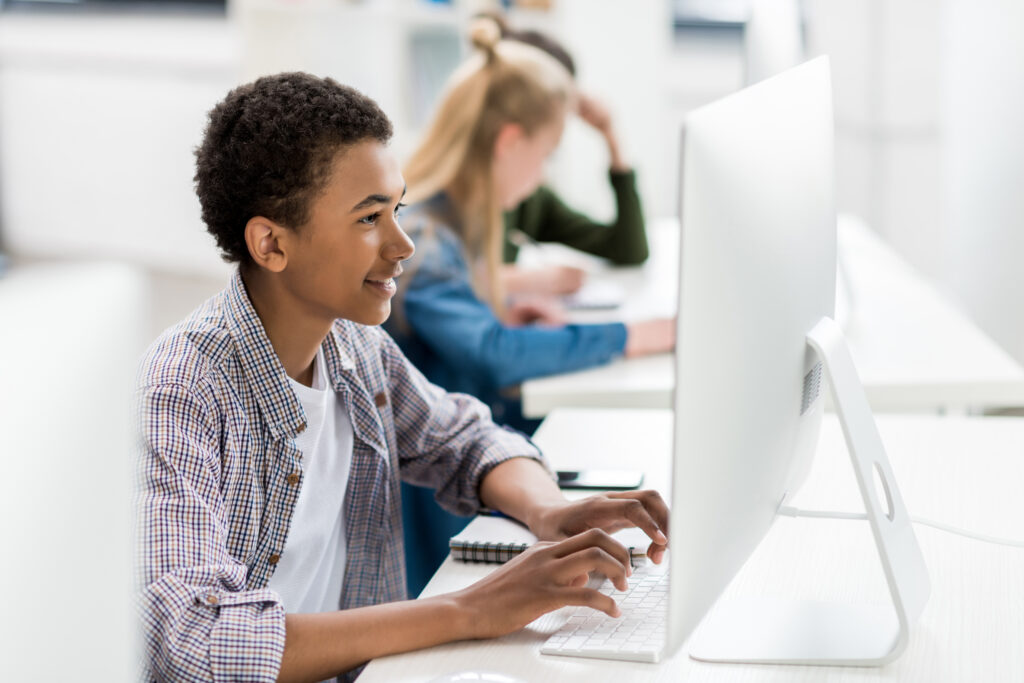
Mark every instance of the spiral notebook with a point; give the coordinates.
(498, 539)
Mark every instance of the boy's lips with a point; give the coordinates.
(385, 284)
(385, 277)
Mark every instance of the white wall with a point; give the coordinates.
(367, 46)
(620, 49)
(99, 116)
(929, 141)
(886, 61)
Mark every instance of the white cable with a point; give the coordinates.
(789, 511)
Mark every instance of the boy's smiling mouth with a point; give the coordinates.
(386, 284)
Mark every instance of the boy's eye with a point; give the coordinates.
(372, 218)
(398, 209)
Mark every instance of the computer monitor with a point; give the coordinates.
(755, 344)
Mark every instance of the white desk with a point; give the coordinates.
(965, 471)
(914, 351)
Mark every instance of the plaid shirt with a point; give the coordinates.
(219, 476)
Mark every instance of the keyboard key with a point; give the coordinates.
(639, 635)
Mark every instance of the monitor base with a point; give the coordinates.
(778, 631)
(792, 632)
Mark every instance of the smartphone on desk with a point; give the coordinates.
(600, 480)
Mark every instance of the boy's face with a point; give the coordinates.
(342, 261)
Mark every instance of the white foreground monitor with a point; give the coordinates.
(755, 346)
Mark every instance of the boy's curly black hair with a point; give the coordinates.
(268, 150)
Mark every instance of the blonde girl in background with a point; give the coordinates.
(501, 117)
(544, 217)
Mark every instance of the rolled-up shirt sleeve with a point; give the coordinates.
(199, 622)
(447, 441)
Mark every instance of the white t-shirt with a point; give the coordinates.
(312, 567)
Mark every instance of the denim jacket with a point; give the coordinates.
(456, 340)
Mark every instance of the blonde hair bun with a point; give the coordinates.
(484, 33)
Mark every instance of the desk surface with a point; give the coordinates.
(913, 349)
(964, 471)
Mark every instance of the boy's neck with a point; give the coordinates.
(293, 332)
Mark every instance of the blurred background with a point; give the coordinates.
(102, 246)
(102, 103)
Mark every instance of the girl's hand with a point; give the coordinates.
(536, 311)
(548, 280)
(650, 336)
(594, 113)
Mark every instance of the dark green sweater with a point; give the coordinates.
(543, 217)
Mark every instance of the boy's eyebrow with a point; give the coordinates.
(373, 199)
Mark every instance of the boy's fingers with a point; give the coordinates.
(647, 510)
(588, 597)
(592, 538)
(594, 559)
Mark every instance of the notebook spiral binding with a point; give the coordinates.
(494, 553)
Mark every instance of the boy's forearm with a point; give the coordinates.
(520, 488)
(320, 646)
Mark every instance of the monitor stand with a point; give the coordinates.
(822, 633)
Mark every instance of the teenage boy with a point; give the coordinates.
(278, 419)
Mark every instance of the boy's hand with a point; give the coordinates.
(609, 512)
(544, 578)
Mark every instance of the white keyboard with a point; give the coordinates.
(638, 635)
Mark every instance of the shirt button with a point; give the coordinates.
(381, 399)
(274, 559)
(293, 478)
(212, 599)
(302, 427)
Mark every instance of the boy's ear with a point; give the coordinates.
(509, 136)
(263, 237)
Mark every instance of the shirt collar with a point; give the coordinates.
(337, 355)
(263, 369)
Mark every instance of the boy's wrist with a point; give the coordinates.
(459, 613)
(538, 518)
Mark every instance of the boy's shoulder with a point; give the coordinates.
(185, 353)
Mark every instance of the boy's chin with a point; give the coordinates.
(377, 317)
